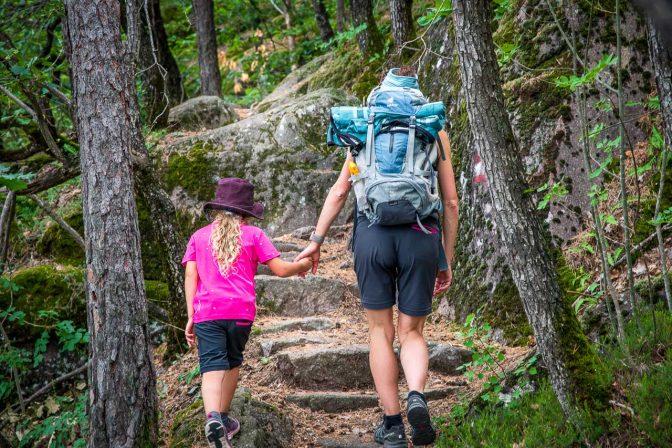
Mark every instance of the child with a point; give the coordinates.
(221, 260)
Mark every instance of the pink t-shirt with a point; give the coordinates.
(229, 296)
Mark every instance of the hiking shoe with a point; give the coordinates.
(395, 437)
(215, 432)
(232, 426)
(417, 412)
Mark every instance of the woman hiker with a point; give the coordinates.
(397, 264)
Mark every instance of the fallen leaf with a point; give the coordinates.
(52, 406)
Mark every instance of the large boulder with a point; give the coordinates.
(262, 425)
(282, 151)
(298, 296)
(207, 112)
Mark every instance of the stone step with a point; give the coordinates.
(336, 402)
(272, 346)
(348, 367)
(333, 402)
(298, 297)
(284, 246)
(305, 324)
(352, 442)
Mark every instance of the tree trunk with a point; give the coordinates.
(662, 67)
(6, 220)
(340, 15)
(322, 19)
(401, 17)
(123, 405)
(160, 76)
(206, 38)
(572, 365)
(370, 40)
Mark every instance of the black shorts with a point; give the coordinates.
(221, 343)
(397, 264)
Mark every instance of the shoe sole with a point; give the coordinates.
(423, 432)
(396, 444)
(217, 438)
(233, 433)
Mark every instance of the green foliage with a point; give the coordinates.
(506, 52)
(553, 193)
(13, 181)
(344, 37)
(573, 82)
(502, 7)
(487, 361)
(66, 428)
(441, 9)
(188, 377)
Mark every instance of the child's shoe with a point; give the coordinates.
(232, 426)
(215, 432)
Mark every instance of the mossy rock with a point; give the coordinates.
(157, 292)
(262, 425)
(50, 288)
(347, 70)
(57, 244)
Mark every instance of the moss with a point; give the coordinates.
(50, 288)
(193, 171)
(187, 426)
(56, 243)
(157, 291)
(643, 227)
(347, 71)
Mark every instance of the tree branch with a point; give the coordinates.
(21, 154)
(51, 177)
(61, 222)
(18, 101)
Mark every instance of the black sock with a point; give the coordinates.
(392, 420)
(419, 394)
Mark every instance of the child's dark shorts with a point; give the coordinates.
(221, 343)
(397, 265)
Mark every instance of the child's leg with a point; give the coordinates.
(211, 389)
(229, 383)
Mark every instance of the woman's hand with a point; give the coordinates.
(443, 281)
(189, 332)
(312, 251)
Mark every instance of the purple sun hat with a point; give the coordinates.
(236, 195)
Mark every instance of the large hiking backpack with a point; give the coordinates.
(393, 143)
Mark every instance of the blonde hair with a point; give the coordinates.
(225, 238)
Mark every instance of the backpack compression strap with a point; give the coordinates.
(347, 139)
(410, 145)
(369, 140)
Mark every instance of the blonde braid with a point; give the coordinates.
(225, 239)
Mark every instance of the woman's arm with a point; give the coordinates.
(333, 205)
(283, 268)
(450, 212)
(190, 283)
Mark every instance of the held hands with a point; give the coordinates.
(311, 253)
(189, 333)
(443, 281)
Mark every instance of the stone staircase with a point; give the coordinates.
(310, 355)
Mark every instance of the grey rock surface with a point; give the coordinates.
(334, 402)
(298, 296)
(272, 346)
(305, 324)
(207, 112)
(264, 425)
(446, 358)
(282, 151)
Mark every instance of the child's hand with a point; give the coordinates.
(306, 264)
(189, 333)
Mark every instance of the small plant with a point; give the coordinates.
(553, 192)
(188, 377)
(487, 363)
(441, 9)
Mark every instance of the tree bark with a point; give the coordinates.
(322, 20)
(340, 15)
(206, 38)
(401, 17)
(6, 220)
(370, 40)
(123, 404)
(160, 76)
(572, 365)
(662, 67)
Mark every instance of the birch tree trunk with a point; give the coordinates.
(206, 39)
(123, 404)
(662, 67)
(572, 365)
(370, 40)
(401, 17)
(322, 19)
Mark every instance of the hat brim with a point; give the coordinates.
(256, 211)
